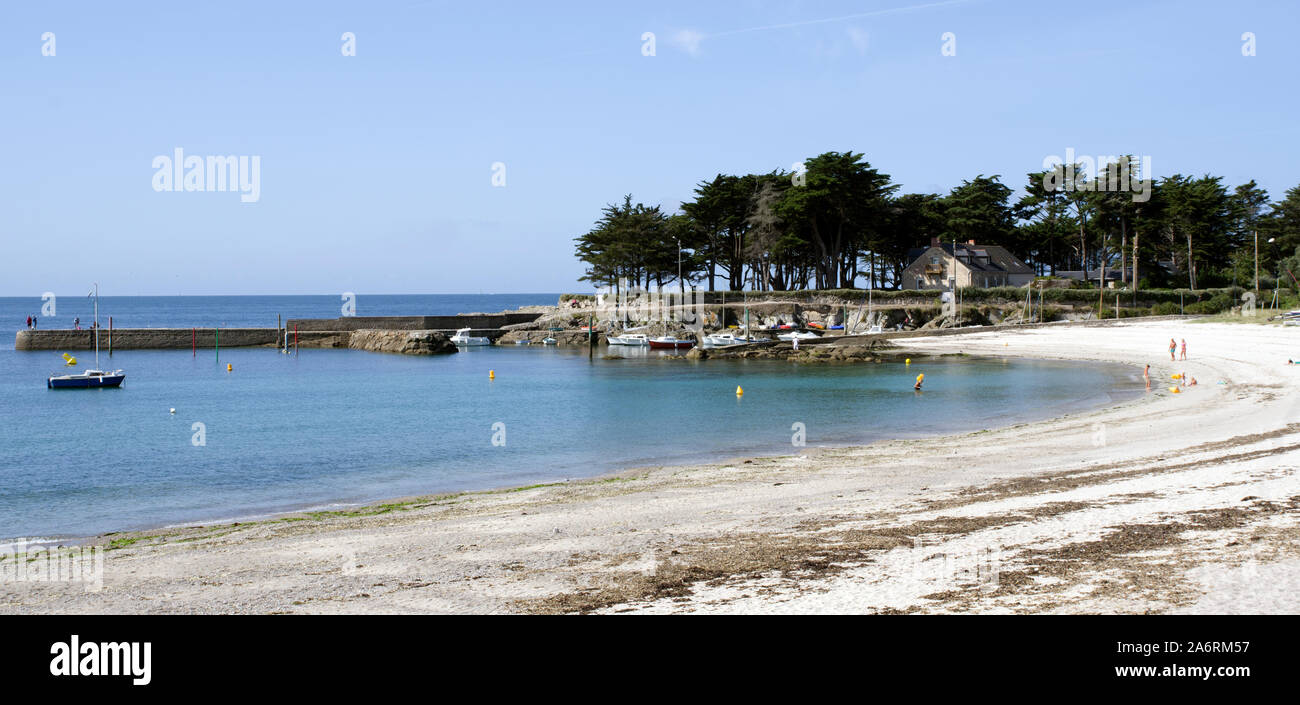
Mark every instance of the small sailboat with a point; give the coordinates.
(92, 378)
(463, 338)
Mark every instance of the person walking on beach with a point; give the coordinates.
(1173, 346)
(1184, 348)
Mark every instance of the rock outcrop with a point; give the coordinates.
(405, 342)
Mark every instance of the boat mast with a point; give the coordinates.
(96, 325)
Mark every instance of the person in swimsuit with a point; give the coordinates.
(1184, 348)
(1173, 346)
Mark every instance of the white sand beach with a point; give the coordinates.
(1184, 502)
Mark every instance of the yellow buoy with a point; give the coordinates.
(739, 391)
(908, 361)
(1175, 377)
(229, 367)
(492, 374)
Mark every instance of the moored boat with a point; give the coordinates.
(86, 380)
(463, 338)
(724, 339)
(669, 342)
(92, 378)
(640, 339)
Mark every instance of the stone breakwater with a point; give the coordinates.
(144, 338)
(408, 342)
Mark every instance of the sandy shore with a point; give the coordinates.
(1175, 502)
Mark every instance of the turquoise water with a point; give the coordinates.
(330, 427)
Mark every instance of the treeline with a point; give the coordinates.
(841, 223)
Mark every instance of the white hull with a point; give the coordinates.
(801, 336)
(464, 339)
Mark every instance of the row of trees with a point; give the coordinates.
(841, 223)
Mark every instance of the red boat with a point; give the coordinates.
(670, 343)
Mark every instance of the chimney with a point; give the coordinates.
(934, 242)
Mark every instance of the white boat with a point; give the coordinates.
(800, 335)
(724, 339)
(89, 379)
(629, 339)
(463, 338)
(549, 341)
(669, 342)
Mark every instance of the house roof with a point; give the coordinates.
(999, 258)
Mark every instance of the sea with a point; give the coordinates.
(185, 441)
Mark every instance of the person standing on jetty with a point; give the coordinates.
(1173, 346)
(29, 323)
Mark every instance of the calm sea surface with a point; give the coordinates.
(334, 427)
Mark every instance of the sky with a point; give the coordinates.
(462, 146)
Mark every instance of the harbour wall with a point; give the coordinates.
(452, 323)
(143, 338)
(312, 332)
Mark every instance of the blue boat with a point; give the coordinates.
(90, 379)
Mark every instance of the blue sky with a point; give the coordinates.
(376, 169)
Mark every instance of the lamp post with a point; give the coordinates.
(680, 283)
(1256, 234)
(1277, 277)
